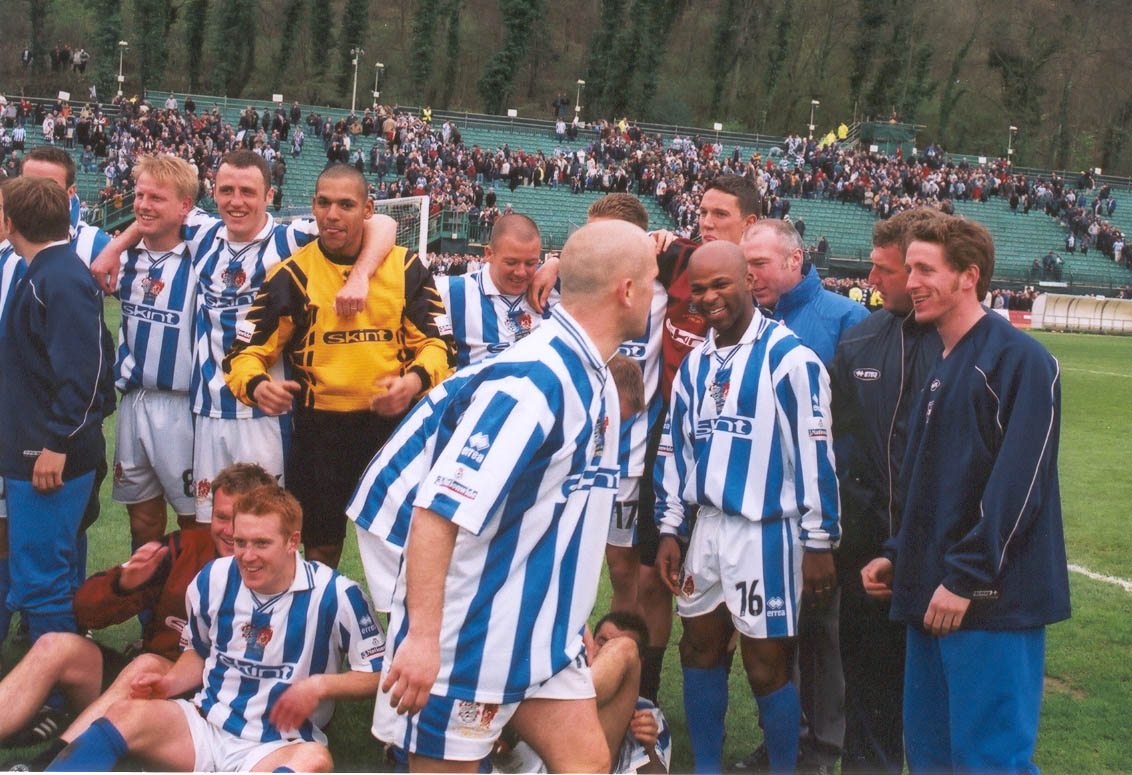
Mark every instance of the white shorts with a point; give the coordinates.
(463, 730)
(221, 751)
(381, 561)
(220, 443)
(153, 454)
(753, 567)
(623, 523)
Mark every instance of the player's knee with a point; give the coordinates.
(766, 676)
(624, 652)
(701, 650)
(143, 663)
(311, 757)
(125, 715)
(54, 647)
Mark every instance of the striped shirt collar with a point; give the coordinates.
(754, 330)
(487, 285)
(263, 234)
(581, 340)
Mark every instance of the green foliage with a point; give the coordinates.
(292, 13)
(452, 49)
(722, 46)
(424, 44)
(196, 20)
(151, 18)
(1020, 65)
(496, 83)
(104, 61)
(354, 23)
(37, 15)
(231, 46)
(320, 23)
(599, 61)
(872, 19)
(659, 26)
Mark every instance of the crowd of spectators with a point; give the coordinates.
(417, 157)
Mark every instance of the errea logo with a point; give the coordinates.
(867, 375)
(473, 452)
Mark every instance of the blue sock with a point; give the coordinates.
(282, 769)
(97, 749)
(705, 705)
(780, 716)
(5, 611)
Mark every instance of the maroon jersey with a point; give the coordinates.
(684, 326)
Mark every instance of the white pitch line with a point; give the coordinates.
(1101, 577)
(1098, 373)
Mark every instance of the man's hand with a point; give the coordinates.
(105, 268)
(275, 398)
(296, 704)
(663, 238)
(876, 578)
(394, 394)
(819, 578)
(543, 283)
(412, 673)
(140, 568)
(148, 686)
(47, 475)
(644, 728)
(945, 612)
(668, 563)
(351, 299)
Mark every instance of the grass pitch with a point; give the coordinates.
(1088, 672)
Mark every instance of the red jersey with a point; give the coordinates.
(684, 326)
(100, 601)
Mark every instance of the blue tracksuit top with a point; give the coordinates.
(56, 382)
(816, 316)
(982, 507)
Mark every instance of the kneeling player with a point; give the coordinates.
(155, 578)
(635, 729)
(266, 634)
(748, 443)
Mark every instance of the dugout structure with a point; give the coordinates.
(1083, 314)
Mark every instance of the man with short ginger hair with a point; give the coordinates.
(262, 664)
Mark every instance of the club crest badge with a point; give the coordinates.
(152, 288)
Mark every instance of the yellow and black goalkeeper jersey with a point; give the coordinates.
(336, 359)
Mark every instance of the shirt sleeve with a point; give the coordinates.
(262, 336)
(481, 451)
(426, 326)
(73, 313)
(675, 459)
(361, 634)
(1026, 400)
(196, 634)
(197, 229)
(801, 387)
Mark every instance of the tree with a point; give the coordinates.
(354, 20)
(105, 45)
(496, 82)
(601, 51)
(37, 14)
(231, 48)
(292, 12)
(319, 23)
(196, 19)
(152, 17)
(452, 50)
(424, 45)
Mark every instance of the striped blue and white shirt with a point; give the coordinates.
(525, 462)
(157, 290)
(229, 276)
(646, 351)
(486, 322)
(254, 648)
(12, 268)
(86, 240)
(748, 433)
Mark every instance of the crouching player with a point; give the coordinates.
(635, 729)
(748, 443)
(155, 578)
(266, 634)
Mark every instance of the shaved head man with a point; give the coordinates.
(495, 471)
